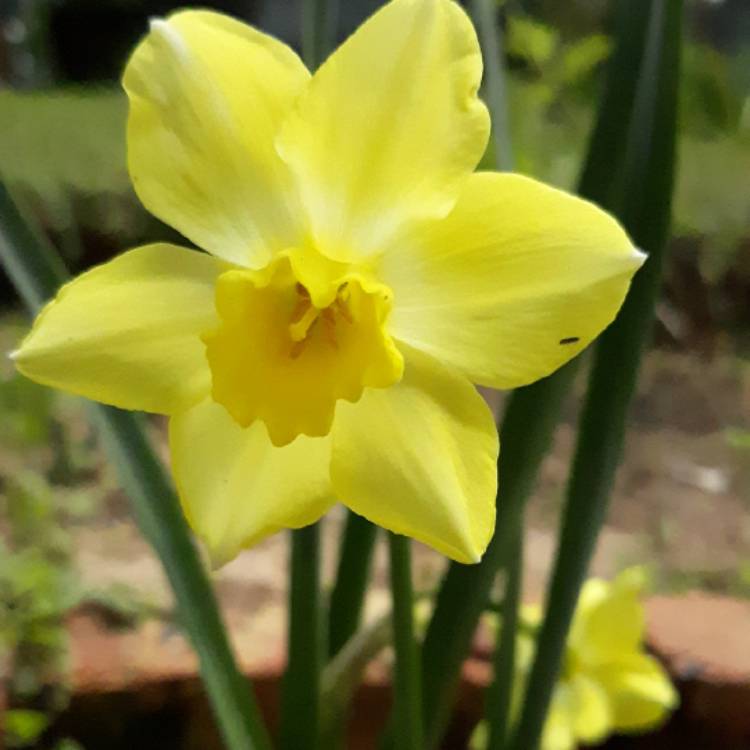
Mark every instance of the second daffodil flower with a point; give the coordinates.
(358, 279)
(608, 683)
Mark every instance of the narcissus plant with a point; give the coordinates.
(358, 279)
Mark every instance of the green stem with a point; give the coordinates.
(348, 594)
(33, 266)
(407, 687)
(318, 30)
(490, 37)
(342, 675)
(300, 699)
(500, 694)
(37, 272)
(648, 181)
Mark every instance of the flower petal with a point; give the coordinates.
(592, 713)
(127, 332)
(518, 279)
(610, 620)
(236, 487)
(640, 691)
(207, 96)
(419, 458)
(389, 128)
(559, 728)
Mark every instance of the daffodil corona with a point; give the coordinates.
(359, 279)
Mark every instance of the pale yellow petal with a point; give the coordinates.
(518, 279)
(559, 728)
(236, 487)
(610, 620)
(389, 128)
(207, 97)
(127, 332)
(419, 458)
(592, 712)
(640, 692)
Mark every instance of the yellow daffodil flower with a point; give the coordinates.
(358, 279)
(608, 683)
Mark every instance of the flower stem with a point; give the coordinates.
(490, 37)
(37, 271)
(348, 594)
(648, 176)
(500, 694)
(318, 30)
(300, 698)
(407, 683)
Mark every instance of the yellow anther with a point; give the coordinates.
(343, 309)
(305, 316)
(300, 327)
(329, 327)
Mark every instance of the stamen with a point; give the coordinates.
(297, 348)
(329, 327)
(298, 329)
(299, 311)
(343, 309)
(305, 316)
(302, 290)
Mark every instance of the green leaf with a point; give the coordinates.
(407, 686)
(300, 689)
(343, 673)
(348, 593)
(645, 209)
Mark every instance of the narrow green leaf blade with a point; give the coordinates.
(648, 176)
(348, 593)
(407, 687)
(300, 692)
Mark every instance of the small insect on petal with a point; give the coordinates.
(570, 340)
